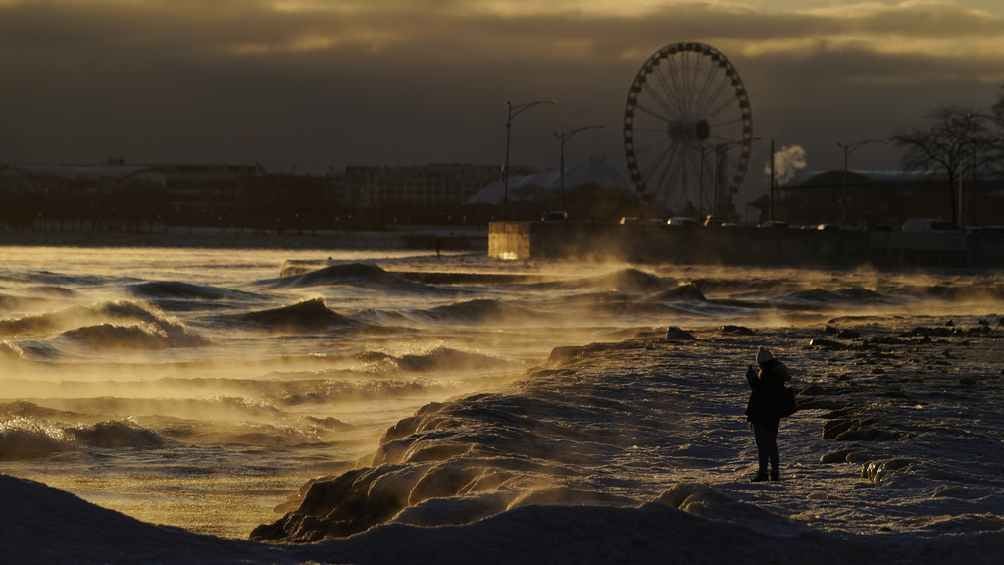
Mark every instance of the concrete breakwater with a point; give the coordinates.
(746, 245)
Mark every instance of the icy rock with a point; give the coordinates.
(446, 479)
(565, 496)
(839, 456)
(867, 434)
(563, 355)
(877, 471)
(454, 510)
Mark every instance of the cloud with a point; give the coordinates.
(315, 81)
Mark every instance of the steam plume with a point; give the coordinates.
(787, 161)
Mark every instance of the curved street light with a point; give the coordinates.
(512, 112)
(563, 136)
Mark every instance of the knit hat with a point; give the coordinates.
(763, 355)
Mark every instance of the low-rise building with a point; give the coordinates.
(886, 198)
(437, 185)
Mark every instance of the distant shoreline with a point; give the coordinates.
(446, 238)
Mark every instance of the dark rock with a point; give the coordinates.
(835, 427)
(950, 323)
(736, 330)
(848, 334)
(674, 333)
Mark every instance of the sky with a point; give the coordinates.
(308, 84)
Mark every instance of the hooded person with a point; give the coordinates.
(763, 410)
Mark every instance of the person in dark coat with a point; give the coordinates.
(763, 410)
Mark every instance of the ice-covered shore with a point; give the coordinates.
(636, 451)
(898, 438)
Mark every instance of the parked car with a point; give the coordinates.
(682, 222)
(922, 225)
(555, 216)
(775, 224)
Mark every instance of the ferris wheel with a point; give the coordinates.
(688, 129)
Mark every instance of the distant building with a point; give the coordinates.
(885, 198)
(183, 180)
(433, 186)
(597, 171)
(117, 192)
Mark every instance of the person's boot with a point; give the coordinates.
(760, 477)
(775, 475)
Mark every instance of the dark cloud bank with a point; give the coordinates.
(427, 81)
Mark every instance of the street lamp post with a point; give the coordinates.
(849, 148)
(961, 220)
(512, 112)
(773, 176)
(563, 136)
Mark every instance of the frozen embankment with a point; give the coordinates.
(43, 525)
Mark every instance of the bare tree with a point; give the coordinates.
(959, 142)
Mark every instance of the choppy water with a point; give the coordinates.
(200, 388)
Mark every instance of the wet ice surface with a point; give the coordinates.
(232, 388)
(616, 424)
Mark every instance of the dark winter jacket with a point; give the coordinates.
(767, 387)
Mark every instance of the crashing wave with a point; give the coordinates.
(477, 312)
(110, 336)
(352, 274)
(26, 438)
(16, 303)
(115, 434)
(685, 292)
(439, 359)
(307, 316)
(624, 280)
(183, 290)
(117, 312)
(840, 296)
